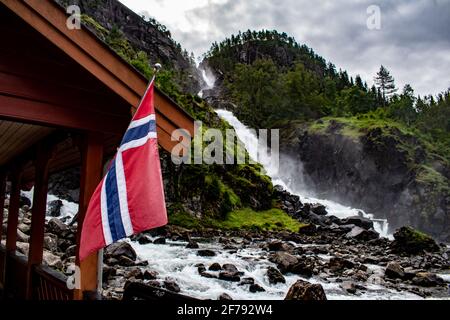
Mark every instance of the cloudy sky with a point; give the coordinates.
(413, 40)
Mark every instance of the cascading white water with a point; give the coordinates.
(250, 140)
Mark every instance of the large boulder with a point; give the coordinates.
(58, 228)
(119, 250)
(411, 241)
(23, 248)
(361, 222)
(279, 246)
(337, 264)
(54, 208)
(229, 276)
(284, 261)
(52, 260)
(206, 253)
(303, 290)
(51, 242)
(362, 234)
(275, 276)
(394, 271)
(427, 279)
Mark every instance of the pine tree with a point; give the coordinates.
(385, 83)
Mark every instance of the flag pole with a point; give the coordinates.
(156, 68)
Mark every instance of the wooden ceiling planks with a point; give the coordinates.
(15, 137)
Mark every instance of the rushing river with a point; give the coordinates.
(173, 260)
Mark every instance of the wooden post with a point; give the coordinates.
(2, 200)
(91, 175)
(35, 253)
(13, 212)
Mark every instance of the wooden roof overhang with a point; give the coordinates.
(53, 77)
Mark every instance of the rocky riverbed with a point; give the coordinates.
(212, 264)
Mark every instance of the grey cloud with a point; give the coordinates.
(414, 41)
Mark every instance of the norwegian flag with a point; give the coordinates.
(130, 198)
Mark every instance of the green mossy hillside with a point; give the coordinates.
(243, 219)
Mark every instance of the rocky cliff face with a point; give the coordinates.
(147, 36)
(382, 171)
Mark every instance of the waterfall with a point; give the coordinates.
(294, 184)
(250, 140)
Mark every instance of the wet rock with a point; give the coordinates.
(51, 242)
(142, 239)
(22, 237)
(337, 264)
(362, 234)
(278, 246)
(24, 201)
(63, 244)
(284, 261)
(171, 285)
(208, 275)
(246, 281)
(348, 287)
(108, 272)
(394, 271)
(303, 290)
(71, 251)
(23, 248)
(411, 241)
(125, 261)
(215, 267)
(54, 208)
(303, 268)
(25, 228)
(119, 250)
(256, 288)
(309, 230)
(358, 221)
(192, 245)
(230, 268)
(427, 279)
(225, 297)
(206, 253)
(52, 260)
(229, 276)
(361, 275)
(275, 276)
(135, 273)
(58, 227)
(161, 240)
(319, 209)
(150, 275)
(201, 268)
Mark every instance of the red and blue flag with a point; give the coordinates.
(130, 198)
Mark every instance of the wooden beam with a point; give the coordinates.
(13, 212)
(30, 111)
(91, 175)
(44, 153)
(2, 199)
(82, 46)
(48, 19)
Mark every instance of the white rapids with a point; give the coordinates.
(173, 260)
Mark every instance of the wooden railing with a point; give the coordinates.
(49, 284)
(16, 271)
(2, 266)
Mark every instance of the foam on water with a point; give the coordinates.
(173, 260)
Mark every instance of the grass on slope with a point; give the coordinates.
(247, 219)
